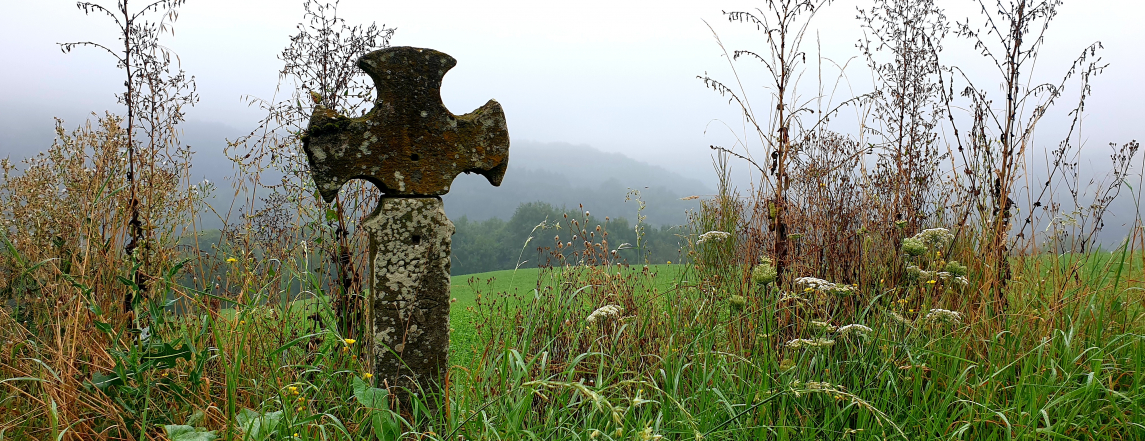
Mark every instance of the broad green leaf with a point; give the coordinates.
(371, 397)
(165, 355)
(195, 417)
(255, 426)
(182, 432)
(103, 381)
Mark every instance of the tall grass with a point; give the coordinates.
(839, 299)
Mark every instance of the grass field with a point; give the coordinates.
(511, 284)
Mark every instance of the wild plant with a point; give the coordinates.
(155, 95)
(993, 155)
(319, 69)
(785, 23)
(906, 107)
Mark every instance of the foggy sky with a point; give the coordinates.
(617, 75)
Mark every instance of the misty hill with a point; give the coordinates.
(556, 173)
(569, 175)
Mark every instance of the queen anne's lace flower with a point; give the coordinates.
(764, 273)
(791, 297)
(944, 316)
(716, 236)
(913, 246)
(958, 269)
(823, 326)
(825, 286)
(810, 343)
(737, 302)
(931, 238)
(604, 312)
(899, 318)
(854, 329)
(935, 237)
(914, 274)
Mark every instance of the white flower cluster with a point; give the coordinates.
(799, 387)
(791, 297)
(717, 236)
(899, 318)
(818, 284)
(943, 315)
(821, 386)
(854, 329)
(914, 273)
(810, 343)
(935, 237)
(823, 326)
(604, 312)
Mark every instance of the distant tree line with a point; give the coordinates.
(497, 244)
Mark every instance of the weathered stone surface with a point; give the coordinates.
(409, 246)
(411, 147)
(409, 143)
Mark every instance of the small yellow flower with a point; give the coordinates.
(232, 260)
(367, 375)
(930, 282)
(669, 262)
(292, 389)
(350, 341)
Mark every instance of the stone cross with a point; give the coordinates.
(412, 148)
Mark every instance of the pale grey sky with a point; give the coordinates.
(619, 75)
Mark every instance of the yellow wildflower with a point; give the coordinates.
(232, 260)
(350, 341)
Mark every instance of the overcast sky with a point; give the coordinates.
(619, 75)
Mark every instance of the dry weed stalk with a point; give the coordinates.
(319, 66)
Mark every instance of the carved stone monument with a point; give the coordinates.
(412, 148)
